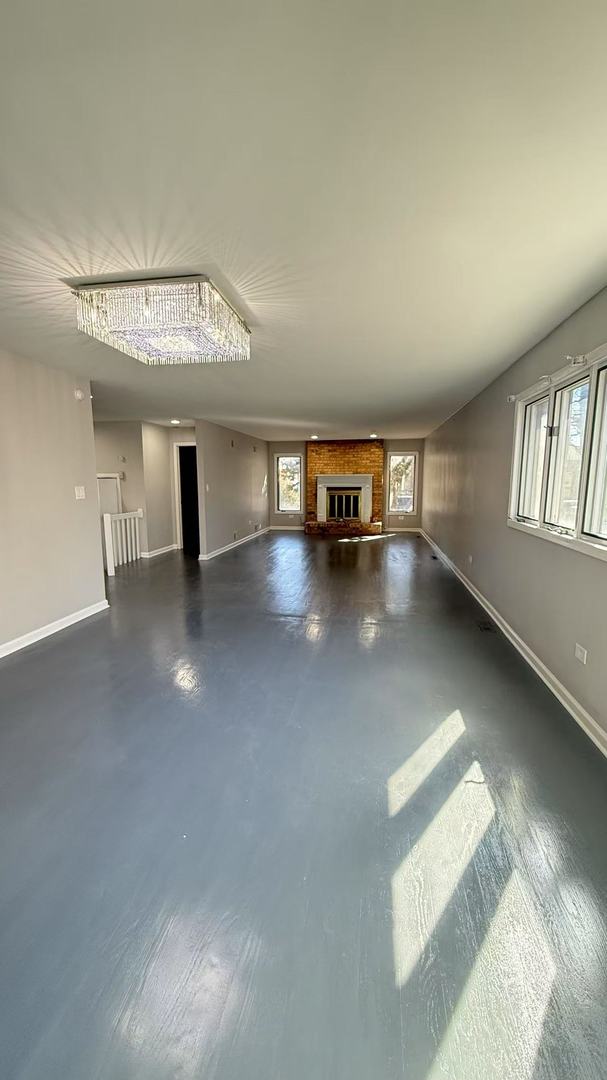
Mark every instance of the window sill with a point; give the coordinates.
(596, 549)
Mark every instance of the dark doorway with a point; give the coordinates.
(188, 482)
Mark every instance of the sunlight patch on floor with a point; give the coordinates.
(363, 539)
(496, 1028)
(408, 778)
(427, 878)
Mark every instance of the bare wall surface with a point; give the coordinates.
(552, 596)
(232, 485)
(115, 440)
(50, 542)
(157, 452)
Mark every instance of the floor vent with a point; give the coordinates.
(487, 627)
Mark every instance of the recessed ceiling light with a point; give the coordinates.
(175, 421)
(313, 436)
(164, 321)
(372, 435)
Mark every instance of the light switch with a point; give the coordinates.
(80, 492)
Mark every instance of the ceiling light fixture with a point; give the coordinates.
(164, 321)
(175, 421)
(372, 435)
(313, 436)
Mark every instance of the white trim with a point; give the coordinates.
(581, 544)
(235, 543)
(158, 551)
(587, 722)
(285, 453)
(410, 528)
(286, 528)
(585, 368)
(401, 453)
(570, 372)
(177, 489)
(364, 481)
(51, 628)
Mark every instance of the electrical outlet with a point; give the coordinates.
(470, 560)
(79, 492)
(235, 536)
(581, 653)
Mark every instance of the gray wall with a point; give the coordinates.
(117, 439)
(404, 521)
(157, 465)
(232, 485)
(50, 543)
(276, 518)
(552, 596)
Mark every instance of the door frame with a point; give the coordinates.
(177, 488)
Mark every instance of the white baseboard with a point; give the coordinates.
(582, 717)
(158, 551)
(22, 642)
(409, 529)
(235, 543)
(286, 528)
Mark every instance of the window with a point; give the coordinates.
(596, 509)
(288, 483)
(534, 450)
(559, 474)
(566, 446)
(401, 483)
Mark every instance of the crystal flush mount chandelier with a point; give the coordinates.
(164, 321)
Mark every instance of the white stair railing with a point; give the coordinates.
(121, 539)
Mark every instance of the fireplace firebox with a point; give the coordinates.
(343, 504)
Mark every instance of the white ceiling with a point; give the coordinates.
(399, 196)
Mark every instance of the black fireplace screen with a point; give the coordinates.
(343, 504)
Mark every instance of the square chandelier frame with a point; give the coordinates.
(164, 321)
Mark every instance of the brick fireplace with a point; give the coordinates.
(345, 487)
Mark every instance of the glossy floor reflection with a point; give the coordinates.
(289, 815)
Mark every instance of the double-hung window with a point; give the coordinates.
(559, 473)
(288, 483)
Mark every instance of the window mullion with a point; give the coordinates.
(587, 451)
(547, 452)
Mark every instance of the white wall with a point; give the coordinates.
(50, 543)
(552, 596)
(232, 485)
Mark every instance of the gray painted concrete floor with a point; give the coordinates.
(290, 815)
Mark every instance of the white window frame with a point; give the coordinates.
(581, 368)
(401, 453)
(277, 456)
